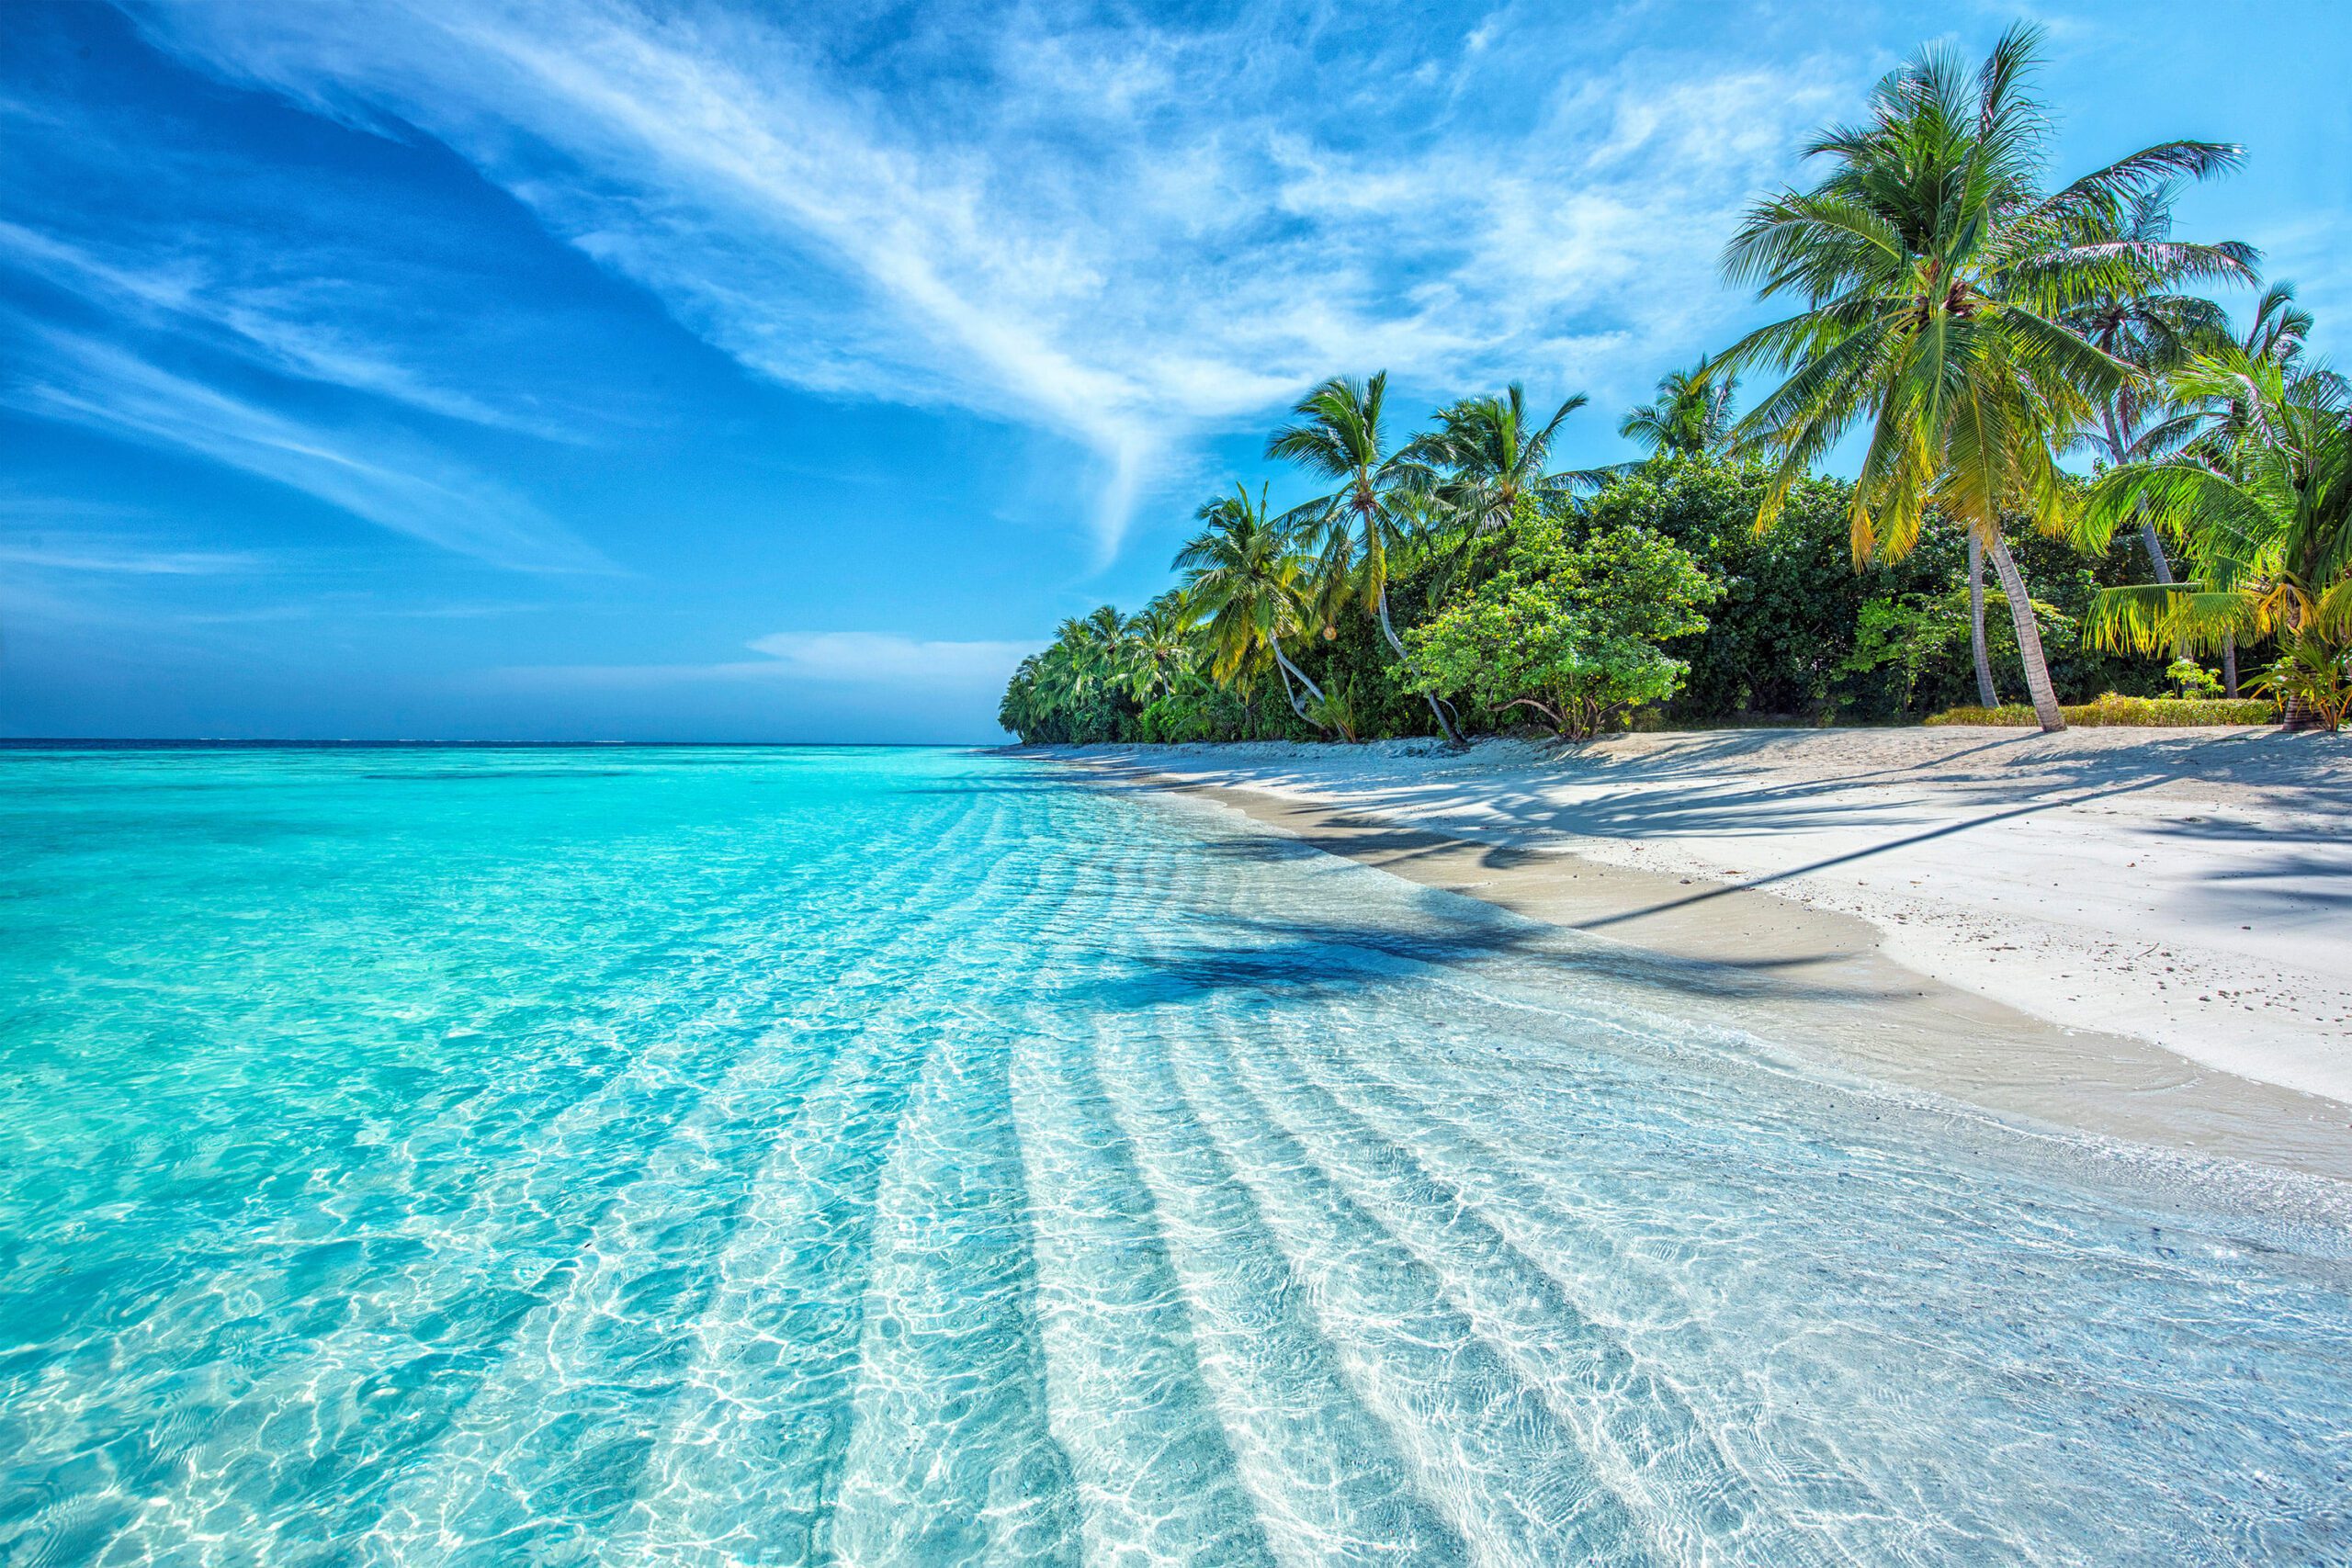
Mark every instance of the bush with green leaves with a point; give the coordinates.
(2115, 710)
(1569, 627)
(2315, 680)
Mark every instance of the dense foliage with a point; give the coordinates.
(1571, 627)
(2128, 712)
(1782, 627)
(1978, 326)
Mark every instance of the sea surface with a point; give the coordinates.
(909, 1157)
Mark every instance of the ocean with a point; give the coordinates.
(924, 1157)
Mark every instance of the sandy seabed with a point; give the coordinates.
(2137, 931)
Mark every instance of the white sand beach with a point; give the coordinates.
(2182, 888)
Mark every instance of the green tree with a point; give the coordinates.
(1935, 278)
(1570, 630)
(1339, 437)
(1249, 581)
(1159, 652)
(2155, 329)
(1487, 456)
(2147, 323)
(2266, 515)
(1775, 642)
(1691, 415)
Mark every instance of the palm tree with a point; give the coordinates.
(2266, 512)
(1487, 455)
(1023, 709)
(1987, 695)
(2279, 327)
(1247, 576)
(1339, 437)
(1160, 646)
(1937, 276)
(1097, 650)
(2275, 336)
(1691, 417)
(2156, 330)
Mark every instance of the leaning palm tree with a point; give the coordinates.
(1936, 276)
(1249, 579)
(1487, 455)
(1338, 438)
(2266, 516)
(1691, 416)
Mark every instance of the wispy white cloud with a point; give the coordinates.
(1133, 236)
(100, 553)
(381, 477)
(884, 658)
(812, 659)
(297, 325)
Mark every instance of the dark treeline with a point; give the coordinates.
(1986, 333)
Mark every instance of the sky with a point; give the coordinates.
(479, 369)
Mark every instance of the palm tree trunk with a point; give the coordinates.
(2037, 669)
(1289, 670)
(2119, 454)
(2164, 576)
(1985, 694)
(2148, 536)
(1405, 658)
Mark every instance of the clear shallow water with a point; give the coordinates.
(918, 1157)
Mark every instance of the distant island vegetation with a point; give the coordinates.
(2042, 387)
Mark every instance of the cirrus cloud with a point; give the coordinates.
(1132, 235)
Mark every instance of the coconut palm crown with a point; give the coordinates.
(1487, 454)
(1691, 415)
(2266, 517)
(1338, 436)
(1937, 279)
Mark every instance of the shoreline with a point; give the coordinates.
(1767, 953)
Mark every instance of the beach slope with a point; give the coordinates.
(2183, 889)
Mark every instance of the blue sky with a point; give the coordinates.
(508, 368)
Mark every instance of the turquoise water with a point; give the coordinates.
(709, 1156)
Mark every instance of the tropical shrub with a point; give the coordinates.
(1567, 629)
(2191, 679)
(1785, 621)
(2113, 709)
(2313, 680)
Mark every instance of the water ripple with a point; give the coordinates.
(919, 1157)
